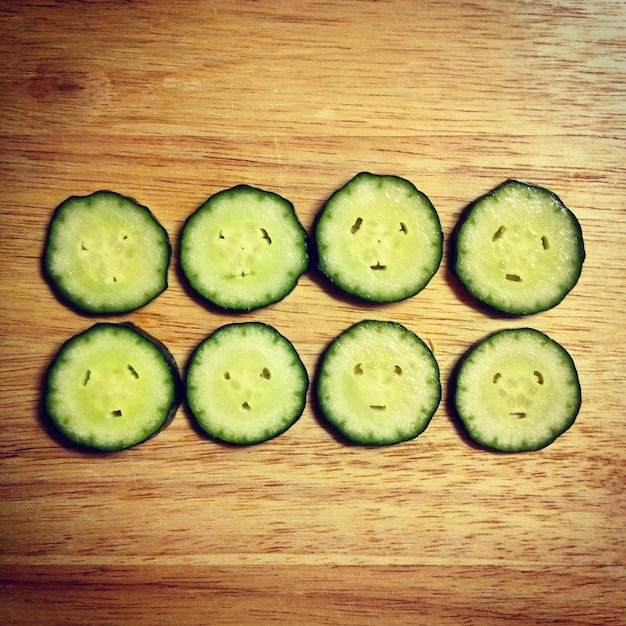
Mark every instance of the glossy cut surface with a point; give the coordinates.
(244, 248)
(378, 383)
(246, 383)
(519, 249)
(112, 387)
(105, 253)
(379, 238)
(517, 390)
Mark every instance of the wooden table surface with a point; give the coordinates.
(170, 102)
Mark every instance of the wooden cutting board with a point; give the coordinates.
(170, 102)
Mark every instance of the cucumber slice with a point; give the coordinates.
(246, 383)
(518, 249)
(517, 390)
(112, 387)
(378, 383)
(244, 248)
(105, 253)
(379, 238)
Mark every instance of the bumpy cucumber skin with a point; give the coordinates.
(250, 441)
(464, 420)
(76, 302)
(332, 419)
(359, 292)
(455, 257)
(219, 303)
(167, 357)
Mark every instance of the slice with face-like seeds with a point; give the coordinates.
(517, 390)
(244, 248)
(246, 383)
(518, 249)
(112, 387)
(379, 238)
(378, 383)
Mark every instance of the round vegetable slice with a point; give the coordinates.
(244, 248)
(517, 390)
(519, 249)
(112, 387)
(246, 383)
(378, 383)
(105, 253)
(379, 238)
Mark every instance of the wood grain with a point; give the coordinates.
(170, 102)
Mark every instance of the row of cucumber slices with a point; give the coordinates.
(517, 249)
(115, 386)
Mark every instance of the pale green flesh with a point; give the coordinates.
(379, 384)
(519, 249)
(246, 384)
(244, 249)
(107, 254)
(517, 390)
(379, 238)
(110, 388)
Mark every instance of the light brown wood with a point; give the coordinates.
(172, 101)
